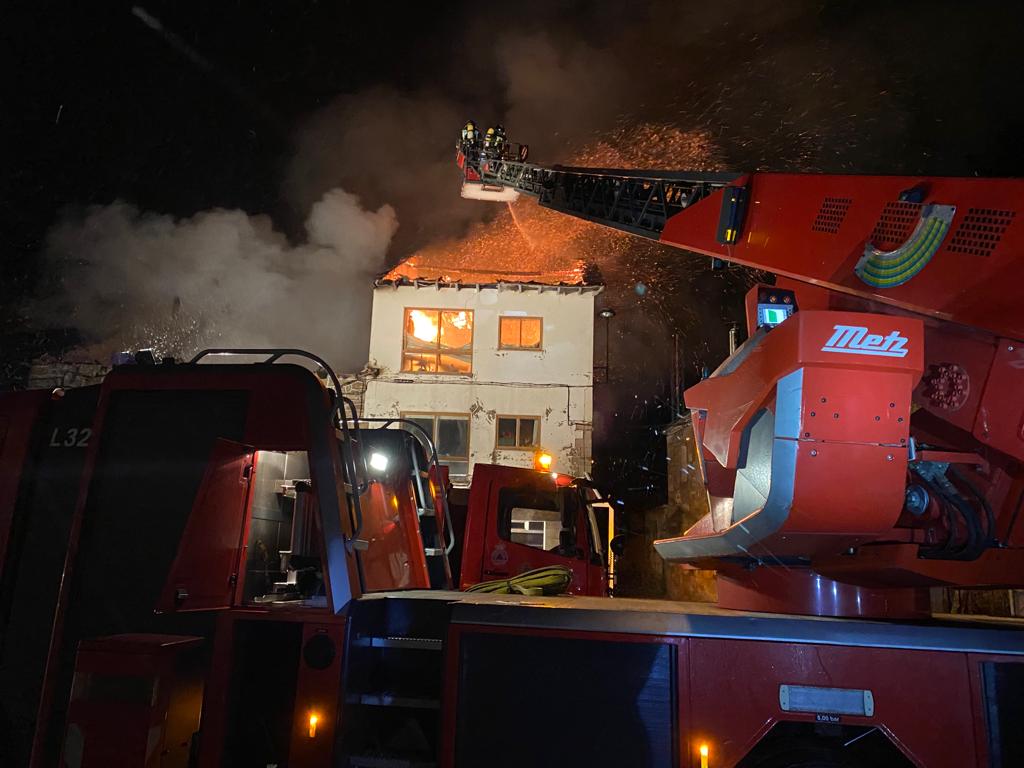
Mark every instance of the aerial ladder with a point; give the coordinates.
(865, 443)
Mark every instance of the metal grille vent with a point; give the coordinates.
(895, 225)
(831, 214)
(980, 231)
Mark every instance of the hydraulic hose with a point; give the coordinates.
(990, 517)
(975, 544)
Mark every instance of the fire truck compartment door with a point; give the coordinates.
(205, 568)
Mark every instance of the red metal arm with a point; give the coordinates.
(815, 229)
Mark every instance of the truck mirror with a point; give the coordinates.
(618, 544)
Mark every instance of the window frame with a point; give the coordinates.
(439, 310)
(517, 447)
(435, 415)
(519, 347)
(503, 520)
(529, 532)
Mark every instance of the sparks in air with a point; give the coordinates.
(525, 242)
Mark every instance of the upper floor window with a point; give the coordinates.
(438, 341)
(520, 332)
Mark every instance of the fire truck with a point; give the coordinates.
(861, 447)
(206, 481)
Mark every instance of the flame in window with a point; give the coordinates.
(424, 325)
(460, 321)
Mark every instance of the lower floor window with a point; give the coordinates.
(518, 432)
(450, 434)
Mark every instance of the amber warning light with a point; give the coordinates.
(314, 718)
(543, 461)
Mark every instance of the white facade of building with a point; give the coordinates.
(515, 394)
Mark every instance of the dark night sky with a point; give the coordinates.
(139, 121)
(97, 106)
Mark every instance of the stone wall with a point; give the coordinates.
(354, 388)
(641, 570)
(51, 373)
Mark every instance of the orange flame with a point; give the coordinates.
(424, 325)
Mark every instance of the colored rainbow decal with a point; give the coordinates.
(887, 269)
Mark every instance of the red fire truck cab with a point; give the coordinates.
(238, 508)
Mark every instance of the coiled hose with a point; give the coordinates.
(551, 580)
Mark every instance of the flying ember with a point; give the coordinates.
(525, 242)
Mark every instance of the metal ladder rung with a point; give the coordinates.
(433, 551)
(424, 512)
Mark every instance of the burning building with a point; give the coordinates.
(497, 366)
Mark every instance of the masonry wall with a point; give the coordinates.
(642, 571)
(48, 373)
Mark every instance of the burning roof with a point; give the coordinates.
(451, 267)
(508, 249)
(410, 271)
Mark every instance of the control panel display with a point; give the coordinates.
(772, 314)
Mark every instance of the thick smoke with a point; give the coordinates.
(564, 87)
(395, 149)
(561, 77)
(398, 146)
(220, 278)
(801, 85)
(795, 86)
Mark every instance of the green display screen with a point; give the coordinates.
(773, 316)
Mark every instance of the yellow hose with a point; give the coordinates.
(551, 580)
